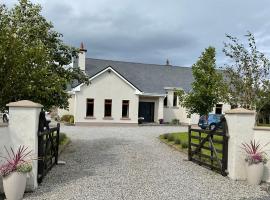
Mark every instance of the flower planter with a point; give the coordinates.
(14, 185)
(255, 173)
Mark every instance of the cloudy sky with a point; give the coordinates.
(151, 31)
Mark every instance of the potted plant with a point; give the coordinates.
(255, 160)
(14, 172)
(161, 121)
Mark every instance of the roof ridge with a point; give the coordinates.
(137, 62)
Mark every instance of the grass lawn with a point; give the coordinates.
(180, 141)
(263, 125)
(63, 141)
(182, 136)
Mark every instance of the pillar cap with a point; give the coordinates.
(24, 103)
(240, 111)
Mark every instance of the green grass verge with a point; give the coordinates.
(268, 125)
(174, 139)
(182, 145)
(63, 139)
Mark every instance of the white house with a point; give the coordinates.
(121, 92)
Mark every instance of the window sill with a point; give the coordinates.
(107, 118)
(175, 107)
(89, 118)
(125, 118)
(166, 106)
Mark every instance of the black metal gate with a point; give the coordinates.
(48, 146)
(209, 148)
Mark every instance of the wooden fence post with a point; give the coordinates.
(189, 143)
(57, 142)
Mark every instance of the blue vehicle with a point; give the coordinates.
(211, 122)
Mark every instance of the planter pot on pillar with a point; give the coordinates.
(255, 173)
(14, 185)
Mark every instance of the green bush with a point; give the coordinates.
(170, 138)
(175, 121)
(165, 136)
(184, 145)
(66, 118)
(62, 138)
(71, 120)
(177, 141)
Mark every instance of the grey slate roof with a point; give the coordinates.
(148, 78)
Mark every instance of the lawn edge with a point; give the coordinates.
(64, 146)
(172, 145)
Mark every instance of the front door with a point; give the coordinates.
(146, 110)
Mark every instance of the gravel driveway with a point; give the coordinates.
(130, 163)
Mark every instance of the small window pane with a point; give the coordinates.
(108, 108)
(166, 101)
(125, 108)
(90, 107)
(219, 109)
(174, 99)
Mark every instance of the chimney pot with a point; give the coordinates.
(167, 62)
(80, 60)
(82, 47)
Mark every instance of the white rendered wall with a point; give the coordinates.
(81, 60)
(70, 111)
(23, 128)
(225, 107)
(262, 134)
(171, 112)
(4, 141)
(177, 112)
(240, 127)
(106, 86)
(160, 108)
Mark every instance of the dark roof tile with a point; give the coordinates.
(149, 78)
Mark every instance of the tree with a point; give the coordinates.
(247, 74)
(208, 87)
(33, 58)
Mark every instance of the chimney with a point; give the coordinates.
(167, 62)
(80, 60)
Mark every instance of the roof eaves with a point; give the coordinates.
(78, 87)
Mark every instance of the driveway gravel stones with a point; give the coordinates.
(130, 163)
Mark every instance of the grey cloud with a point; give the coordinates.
(152, 31)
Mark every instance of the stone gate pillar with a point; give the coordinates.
(23, 130)
(240, 127)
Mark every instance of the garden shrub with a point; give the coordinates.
(175, 121)
(184, 145)
(62, 138)
(170, 138)
(71, 120)
(66, 118)
(165, 136)
(177, 141)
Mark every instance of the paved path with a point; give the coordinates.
(130, 163)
